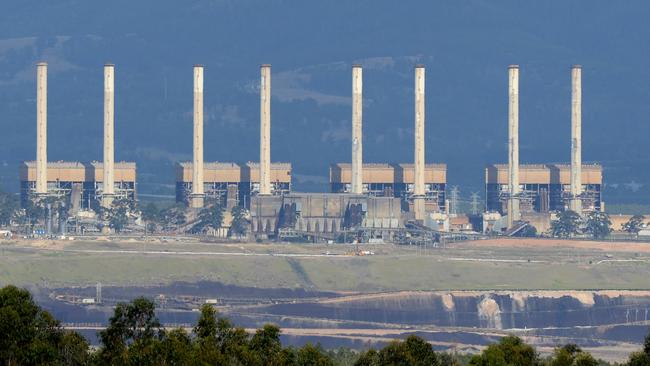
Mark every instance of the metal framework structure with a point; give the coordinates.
(231, 184)
(80, 183)
(543, 188)
(394, 180)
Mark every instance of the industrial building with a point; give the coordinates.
(517, 191)
(543, 187)
(84, 185)
(371, 196)
(363, 195)
(230, 183)
(81, 184)
(394, 180)
(324, 212)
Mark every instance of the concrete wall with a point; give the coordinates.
(265, 211)
(323, 212)
(383, 212)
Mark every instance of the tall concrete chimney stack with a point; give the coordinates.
(109, 129)
(576, 138)
(418, 189)
(265, 130)
(197, 163)
(357, 131)
(41, 128)
(513, 144)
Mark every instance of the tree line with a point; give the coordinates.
(211, 217)
(596, 224)
(30, 335)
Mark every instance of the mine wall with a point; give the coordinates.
(495, 310)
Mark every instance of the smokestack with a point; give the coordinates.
(418, 189)
(109, 120)
(513, 143)
(41, 128)
(265, 130)
(576, 138)
(357, 134)
(197, 164)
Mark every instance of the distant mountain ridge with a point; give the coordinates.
(466, 47)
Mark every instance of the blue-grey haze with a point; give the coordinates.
(466, 46)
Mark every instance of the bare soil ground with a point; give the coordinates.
(495, 264)
(548, 268)
(547, 243)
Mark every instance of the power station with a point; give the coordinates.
(83, 185)
(380, 196)
(527, 193)
(229, 183)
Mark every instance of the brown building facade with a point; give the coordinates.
(231, 183)
(82, 183)
(544, 187)
(393, 180)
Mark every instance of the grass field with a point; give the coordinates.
(471, 266)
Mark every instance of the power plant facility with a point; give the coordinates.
(394, 180)
(80, 185)
(230, 184)
(543, 188)
(376, 197)
(522, 192)
(383, 200)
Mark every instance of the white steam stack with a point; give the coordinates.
(41, 128)
(576, 138)
(196, 200)
(109, 129)
(513, 144)
(265, 130)
(357, 132)
(418, 189)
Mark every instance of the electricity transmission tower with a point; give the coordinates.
(475, 203)
(453, 200)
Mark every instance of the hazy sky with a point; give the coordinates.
(466, 47)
